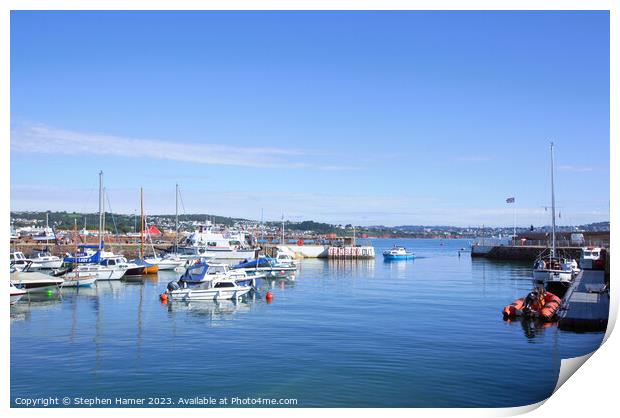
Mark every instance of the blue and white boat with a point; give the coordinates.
(264, 264)
(397, 253)
(202, 272)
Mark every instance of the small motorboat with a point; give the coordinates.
(397, 253)
(78, 279)
(263, 264)
(285, 259)
(537, 304)
(120, 263)
(203, 272)
(20, 262)
(46, 260)
(215, 290)
(16, 294)
(593, 258)
(169, 262)
(33, 281)
(101, 272)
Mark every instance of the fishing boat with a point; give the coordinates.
(46, 260)
(549, 267)
(33, 281)
(15, 293)
(397, 253)
(78, 279)
(205, 241)
(213, 290)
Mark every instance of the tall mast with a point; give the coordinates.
(100, 207)
(141, 223)
(552, 207)
(176, 219)
(47, 226)
(282, 228)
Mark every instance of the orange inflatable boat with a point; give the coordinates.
(538, 303)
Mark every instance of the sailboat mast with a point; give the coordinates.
(176, 219)
(100, 207)
(141, 223)
(552, 207)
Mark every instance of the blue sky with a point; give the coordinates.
(346, 117)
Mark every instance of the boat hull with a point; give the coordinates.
(208, 294)
(552, 276)
(392, 257)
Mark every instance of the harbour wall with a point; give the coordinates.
(525, 253)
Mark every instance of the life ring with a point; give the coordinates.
(300, 242)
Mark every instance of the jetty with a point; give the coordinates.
(586, 303)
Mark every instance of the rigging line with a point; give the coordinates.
(112, 213)
(87, 201)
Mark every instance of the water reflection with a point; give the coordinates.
(213, 310)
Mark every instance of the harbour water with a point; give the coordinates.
(419, 333)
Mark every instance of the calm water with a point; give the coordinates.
(345, 333)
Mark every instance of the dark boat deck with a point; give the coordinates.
(586, 305)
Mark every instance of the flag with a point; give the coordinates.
(510, 200)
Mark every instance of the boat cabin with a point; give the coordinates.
(592, 258)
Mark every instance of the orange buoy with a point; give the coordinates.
(163, 297)
(269, 296)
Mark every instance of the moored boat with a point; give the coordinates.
(33, 281)
(397, 253)
(215, 290)
(537, 304)
(78, 279)
(15, 293)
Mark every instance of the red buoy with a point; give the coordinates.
(163, 298)
(269, 296)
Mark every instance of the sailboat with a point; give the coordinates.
(149, 266)
(549, 267)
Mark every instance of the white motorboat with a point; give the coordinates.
(213, 290)
(118, 262)
(229, 245)
(166, 263)
(204, 272)
(15, 293)
(46, 260)
(20, 262)
(101, 272)
(593, 258)
(549, 268)
(284, 258)
(78, 279)
(34, 281)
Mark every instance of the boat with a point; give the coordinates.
(118, 262)
(593, 258)
(15, 293)
(78, 278)
(537, 304)
(19, 261)
(397, 253)
(284, 258)
(101, 272)
(169, 262)
(220, 289)
(150, 266)
(46, 260)
(205, 272)
(549, 267)
(263, 264)
(34, 281)
(205, 241)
